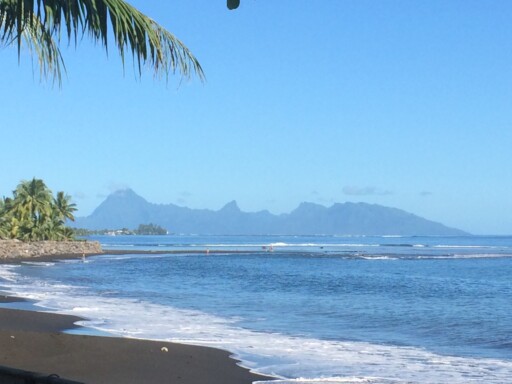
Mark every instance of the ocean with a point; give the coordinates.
(306, 309)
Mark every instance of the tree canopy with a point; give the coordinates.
(150, 229)
(34, 214)
(39, 24)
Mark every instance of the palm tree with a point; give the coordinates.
(33, 213)
(4, 222)
(63, 207)
(67, 233)
(28, 210)
(39, 24)
(32, 201)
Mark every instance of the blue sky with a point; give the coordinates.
(400, 103)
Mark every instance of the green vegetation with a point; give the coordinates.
(109, 232)
(34, 214)
(150, 229)
(143, 229)
(39, 24)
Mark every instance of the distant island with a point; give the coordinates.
(142, 229)
(126, 209)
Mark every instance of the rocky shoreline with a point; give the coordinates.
(13, 249)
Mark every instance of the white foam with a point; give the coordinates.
(282, 245)
(38, 263)
(468, 256)
(7, 272)
(369, 257)
(463, 246)
(481, 256)
(291, 358)
(105, 245)
(71, 261)
(335, 380)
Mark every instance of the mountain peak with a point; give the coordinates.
(125, 194)
(232, 206)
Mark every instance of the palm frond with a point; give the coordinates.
(40, 41)
(132, 31)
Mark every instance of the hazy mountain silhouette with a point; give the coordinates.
(126, 209)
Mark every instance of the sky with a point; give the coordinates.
(400, 103)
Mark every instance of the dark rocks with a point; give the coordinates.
(10, 249)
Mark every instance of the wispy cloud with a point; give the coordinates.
(425, 193)
(111, 187)
(352, 190)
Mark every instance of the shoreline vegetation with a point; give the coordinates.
(37, 342)
(34, 214)
(33, 224)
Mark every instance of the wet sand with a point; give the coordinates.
(35, 342)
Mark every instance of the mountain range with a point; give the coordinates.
(126, 209)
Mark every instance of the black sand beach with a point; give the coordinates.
(34, 341)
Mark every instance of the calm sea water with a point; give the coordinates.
(316, 309)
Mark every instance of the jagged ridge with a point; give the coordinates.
(126, 209)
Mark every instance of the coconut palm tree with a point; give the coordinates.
(34, 214)
(39, 24)
(4, 222)
(32, 201)
(63, 207)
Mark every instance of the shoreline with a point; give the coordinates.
(36, 341)
(75, 256)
